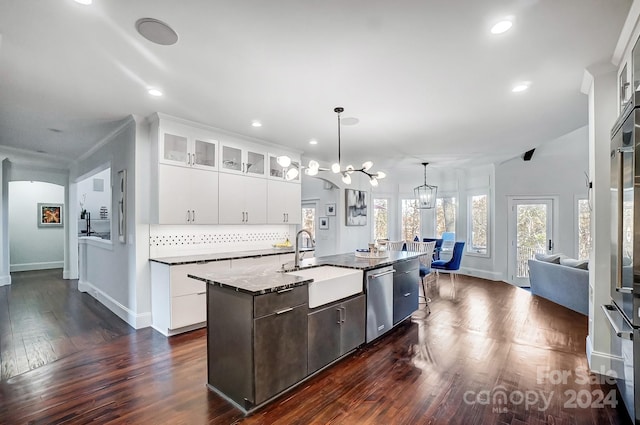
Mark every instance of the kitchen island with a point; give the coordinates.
(269, 329)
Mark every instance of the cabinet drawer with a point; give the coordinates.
(188, 310)
(405, 266)
(183, 285)
(270, 303)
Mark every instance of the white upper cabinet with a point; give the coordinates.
(243, 199)
(188, 150)
(187, 196)
(239, 159)
(284, 203)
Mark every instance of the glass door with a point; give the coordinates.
(530, 232)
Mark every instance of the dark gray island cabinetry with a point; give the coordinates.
(335, 331)
(256, 344)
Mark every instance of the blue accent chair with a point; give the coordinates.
(452, 266)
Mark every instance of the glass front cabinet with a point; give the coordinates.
(242, 160)
(186, 151)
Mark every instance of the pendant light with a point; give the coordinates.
(426, 194)
(350, 169)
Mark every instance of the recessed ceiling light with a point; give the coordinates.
(313, 142)
(501, 27)
(85, 2)
(256, 124)
(520, 87)
(156, 31)
(154, 92)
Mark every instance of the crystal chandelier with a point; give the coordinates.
(426, 194)
(314, 167)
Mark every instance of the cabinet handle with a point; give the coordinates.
(202, 293)
(407, 294)
(282, 291)
(189, 159)
(284, 310)
(339, 310)
(344, 313)
(247, 216)
(375, 276)
(243, 168)
(287, 214)
(193, 159)
(188, 216)
(243, 220)
(193, 216)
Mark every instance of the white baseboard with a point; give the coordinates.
(136, 321)
(171, 332)
(484, 274)
(5, 280)
(66, 274)
(604, 363)
(36, 266)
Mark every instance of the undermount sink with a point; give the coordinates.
(330, 283)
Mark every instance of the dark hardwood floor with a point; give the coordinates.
(66, 359)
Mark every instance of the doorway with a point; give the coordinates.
(531, 231)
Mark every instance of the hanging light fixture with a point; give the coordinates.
(336, 167)
(426, 194)
(313, 167)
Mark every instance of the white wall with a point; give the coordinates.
(557, 169)
(32, 247)
(108, 270)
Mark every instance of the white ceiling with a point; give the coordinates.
(425, 78)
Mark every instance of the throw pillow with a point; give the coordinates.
(549, 258)
(572, 262)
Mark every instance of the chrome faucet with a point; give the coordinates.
(296, 263)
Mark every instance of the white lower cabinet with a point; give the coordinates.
(285, 205)
(243, 199)
(178, 302)
(187, 195)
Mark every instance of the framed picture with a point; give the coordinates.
(121, 193)
(49, 215)
(330, 209)
(323, 223)
(356, 207)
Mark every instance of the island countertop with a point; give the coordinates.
(263, 278)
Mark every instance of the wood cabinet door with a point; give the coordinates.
(353, 327)
(280, 351)
(324, 337)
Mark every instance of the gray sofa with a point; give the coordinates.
(564, 285)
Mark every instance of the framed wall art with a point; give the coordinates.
(49, 215)
(121, 193)
(323, 223)
(355, 207)
(330, 209)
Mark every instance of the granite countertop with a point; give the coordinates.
(204, 258)
(265, 278)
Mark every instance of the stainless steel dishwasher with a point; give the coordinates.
(379, 301)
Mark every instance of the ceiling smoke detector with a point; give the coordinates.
(156, 31)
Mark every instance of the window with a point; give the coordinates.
(478, 242)
(584, 229)
(410, 219)
(380, 219)
(309, 223)
(445, 215)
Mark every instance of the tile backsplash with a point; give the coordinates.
(170, 241)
